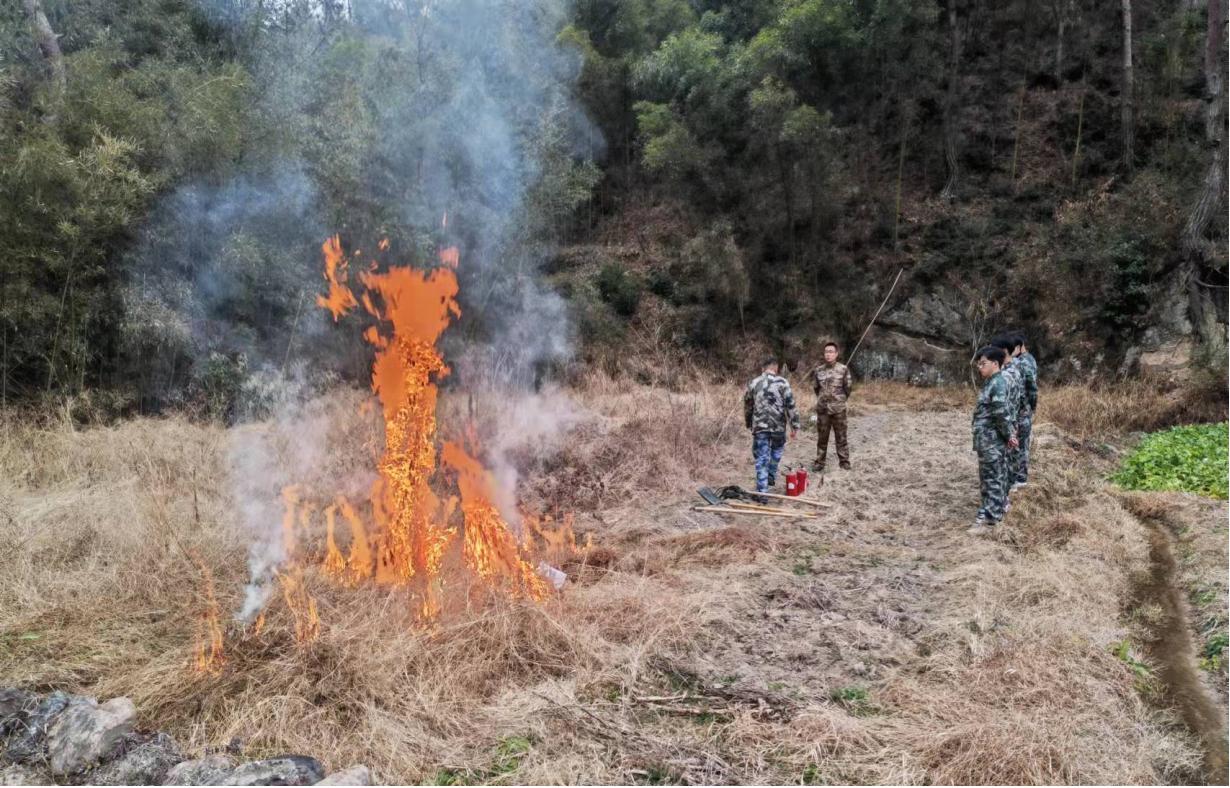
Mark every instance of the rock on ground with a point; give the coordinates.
(145, 763)
(86, 731)
(14, 706)
(18, 774)
(30, 740)
(210, 770)
(355, 775)
(286, 770)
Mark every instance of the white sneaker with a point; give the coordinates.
(981, 527)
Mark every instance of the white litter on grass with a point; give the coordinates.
(556, 577)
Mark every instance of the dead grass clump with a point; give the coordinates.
(720, 546)
(1053, 533)
(635, 440)
(899, 395)
(1011, 715)
(1146, 506)
(1096, 412)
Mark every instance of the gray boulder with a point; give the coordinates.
(210, 770)
(21, 774)
(355, 775)
(15, 706)
(29, 740)
(143, 763)
(286, 770)
(86, 731)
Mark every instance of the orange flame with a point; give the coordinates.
(412, 531)
(210, 655)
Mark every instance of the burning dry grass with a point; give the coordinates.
(103, 594)
(879, 645)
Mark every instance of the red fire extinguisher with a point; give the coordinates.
(802, 474)
(792, 483)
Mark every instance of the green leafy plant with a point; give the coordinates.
(1213, 655)
(1123, 650)
(1188, 459)
(856, 700)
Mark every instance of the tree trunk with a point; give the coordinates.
(1198, 250)
(1126, 102)
(1065, 15)
(950, 105)
(1210, 198)
(49, 45)
(788, 197)
(900, 175)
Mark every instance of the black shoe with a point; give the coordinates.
(759, 498)
(818, 467)
(845, 466)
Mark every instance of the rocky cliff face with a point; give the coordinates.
(928, 338)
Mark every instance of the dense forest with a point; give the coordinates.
(633, 184)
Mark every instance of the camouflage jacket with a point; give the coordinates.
(832, 387)
(1029, 377)
(991, 425)
(768, 404)
(1016, 389)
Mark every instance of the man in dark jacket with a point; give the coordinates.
(768, 406)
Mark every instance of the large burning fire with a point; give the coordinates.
(407, 532)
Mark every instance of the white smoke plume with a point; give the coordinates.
(394, 114)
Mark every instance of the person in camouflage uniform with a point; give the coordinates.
(1028, 366)
(1014, 377)
(831, 382)
(994, 436)
(768, 406)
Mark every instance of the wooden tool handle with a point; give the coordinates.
(753, 512)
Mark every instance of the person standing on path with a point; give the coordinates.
(1025, 422)
(831, 381)
(994, 437)
(1014, 376)
(768, 406)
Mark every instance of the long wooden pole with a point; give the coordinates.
(850, 358)
(794, 499)
(752, 512)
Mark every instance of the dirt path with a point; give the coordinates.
(951, 658)
(880, 551)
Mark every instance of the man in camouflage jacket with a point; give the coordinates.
(831, 382)
(768, 406)
(1028, 366)
(1014, 375)
(994, 436)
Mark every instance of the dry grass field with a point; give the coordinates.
(876, 644)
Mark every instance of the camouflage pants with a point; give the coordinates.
(767, 448)
(993, 481)
(835, 422)
(1019, 471)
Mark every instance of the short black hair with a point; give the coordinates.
(769, 361)
(1018, 337)
(1005, 341)
(831, 344)
(992, 353)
